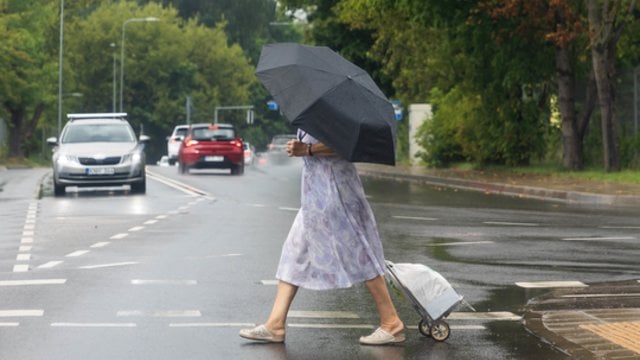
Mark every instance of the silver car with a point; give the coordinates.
(98, 150)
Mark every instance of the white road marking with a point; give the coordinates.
(163, 282)
(177, 185)
(93, 325)
(413, 218)
(493, 315)
(332, 326)
(550, 284)
(269, 282)
(23, 257)
(77, 253)
(108, 265)
(32, 282)
(182, 208)
(509, 223)
(619, 227)
(287, 208)
(30, 221)
(119, 236)
(26, 240)
(27, 233)
(50, 264)
(177, 325)
(600, 295)
(257, 205)
(160, 217)
(603, 238)
(150, 222)
(21, 313)
(29, 227)
(21, 268)
(9, 324)
(324, 314)
(25, 248)
(100, 244)
(169, 313)
(460, 243)
(136, 228)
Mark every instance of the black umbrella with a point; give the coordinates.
(332, 99)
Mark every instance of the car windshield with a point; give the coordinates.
(98, 133)
(213, 133)
(181, 132)
(283, 139)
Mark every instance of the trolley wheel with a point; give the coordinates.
(424, 328)
(440, 331)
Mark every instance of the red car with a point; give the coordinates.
(211, 146)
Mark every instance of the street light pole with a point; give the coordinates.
(113, 48)
(124, 25)
(60, 66)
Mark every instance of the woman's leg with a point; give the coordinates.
(278, 317)
(389, 319)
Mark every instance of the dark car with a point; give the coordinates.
(211, 146)
(98, 149)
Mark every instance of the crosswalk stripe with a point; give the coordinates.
(184, 325)
(50, 264)
(93, 325)
(168, 313)
(32, 282)
(550, 284)
(323, 314)
(21, 313)
(163, 282)
(492, 315)
(9, 324)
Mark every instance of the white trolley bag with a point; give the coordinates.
(431, 294)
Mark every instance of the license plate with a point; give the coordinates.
(100, 171)
(214, 158)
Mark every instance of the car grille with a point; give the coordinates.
(112, 160)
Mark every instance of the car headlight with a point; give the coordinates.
(135, 157)
(67, 160)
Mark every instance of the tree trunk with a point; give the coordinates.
(21, 130)
(603, 38)
(572, 147)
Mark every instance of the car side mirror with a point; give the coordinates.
(53, 141)
(178, 138)
(144, 138)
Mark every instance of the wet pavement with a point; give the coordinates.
(590, 321)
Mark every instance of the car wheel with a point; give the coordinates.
(139, 187)
(58, 190)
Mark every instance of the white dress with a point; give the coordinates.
(333, 242)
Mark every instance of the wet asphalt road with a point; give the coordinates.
(175, 273)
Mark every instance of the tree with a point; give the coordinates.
(607, 22)
(28, 64)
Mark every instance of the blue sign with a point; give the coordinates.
(272, 105)
(397, 109)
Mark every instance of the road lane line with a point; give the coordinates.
(603, 238)
(413, 218)
(27, 233)
(269, 282)
(185, 188)
(184, 325)
(21, 268)
(284, 208)
(600, 295)
(150, 222)
(25, 248)
(119, 236)
(324, 314)
(332, 326)
(9, 324)
(163, 282)
(77, 253)
(32, 282)
(491, 315)
(136, 228)
(550, 284)
(93, 325)
(100, 244)
(167, 313)
(108, 265)
(509, 223)
(257, 205)
(21, 313)
(460, 243)
(619, 227)
(23, 257)
(160, 217)
(50, 264)
(26, 240)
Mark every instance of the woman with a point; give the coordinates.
(333, 243)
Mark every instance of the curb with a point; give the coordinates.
(511, 190)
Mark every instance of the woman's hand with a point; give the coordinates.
(296, 148)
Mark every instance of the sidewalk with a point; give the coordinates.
(596, 321)
(528, 186)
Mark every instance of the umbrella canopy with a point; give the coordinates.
(332, 99)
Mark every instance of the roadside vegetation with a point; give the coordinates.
(513, 83)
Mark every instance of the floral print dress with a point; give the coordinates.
(333, 242)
